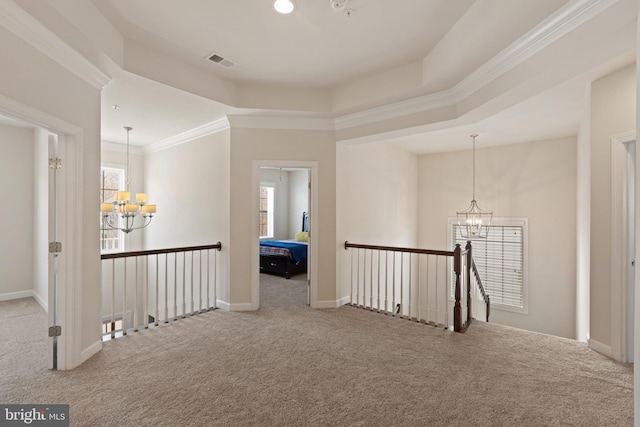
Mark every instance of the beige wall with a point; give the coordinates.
(535, 180)
(376, 199)
(190, 185)
(16, 216)
(41, 217)
(249, 145)
(613, 104)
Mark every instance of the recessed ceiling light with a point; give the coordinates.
(116, 107)
(283, 6)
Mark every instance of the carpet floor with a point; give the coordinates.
(296, 366)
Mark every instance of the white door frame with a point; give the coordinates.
(312, 257)
(622, 250)
(69, 227)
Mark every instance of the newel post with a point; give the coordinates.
(468, 276)
(457, 309)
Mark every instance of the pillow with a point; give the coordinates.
(302, 236)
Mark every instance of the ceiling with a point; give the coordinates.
(319, 48)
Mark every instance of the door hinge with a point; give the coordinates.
(55, 331)
(55, 163)
(55, 247)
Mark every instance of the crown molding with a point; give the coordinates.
(20, 111)
(397, 109)
(289, 123)
(190, 135)
(32, 31)
(563, 21)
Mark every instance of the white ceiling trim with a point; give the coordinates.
(190, 135)
(565, 20)
(397, 109)
(290, 123)
(19, 22)
(38, 118)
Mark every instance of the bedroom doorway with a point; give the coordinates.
(284, 204)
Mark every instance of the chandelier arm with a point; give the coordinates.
(129, 220)
(106, 220)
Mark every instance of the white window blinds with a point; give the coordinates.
(500, 262)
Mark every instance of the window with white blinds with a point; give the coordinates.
(500, 259)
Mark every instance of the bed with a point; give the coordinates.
(285, 257)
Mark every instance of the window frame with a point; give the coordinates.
(121, 238)
(502, 222)
(271, 208)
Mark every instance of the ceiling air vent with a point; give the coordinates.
(221, 60)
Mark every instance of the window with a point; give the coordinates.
(501, 261)
(266, 210)
(111, 181)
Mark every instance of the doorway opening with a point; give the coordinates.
(30, 156)
(285, 251)
(284, 236)
(49, 130)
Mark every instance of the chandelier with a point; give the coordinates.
(121, 214)
(474, 222)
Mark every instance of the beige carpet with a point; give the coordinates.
(338, 367)
(276, 291)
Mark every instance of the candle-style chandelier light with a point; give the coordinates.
(121, 214)
(473, 222)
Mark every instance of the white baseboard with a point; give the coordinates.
(25, 294)
(41, 301)
(344, 301)
(16, 295)
(599, 347)
(243, 306)
(88, 352)
(332, 303)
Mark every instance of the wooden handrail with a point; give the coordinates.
(217, 246)
(348, 245)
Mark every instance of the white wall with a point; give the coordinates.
(536, 180)
(376, 198)
(280, 180)
(291, 199)
(298, 199)
(613, 103)
(17, 213)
